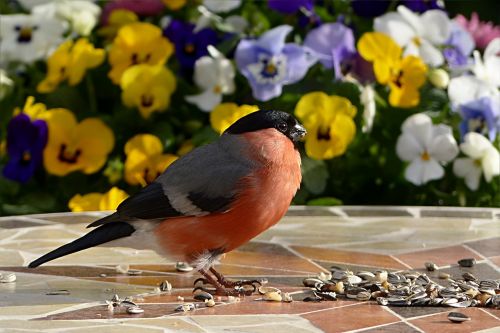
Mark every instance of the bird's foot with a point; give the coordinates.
(223, 287)
(234, 284)
(223, 291)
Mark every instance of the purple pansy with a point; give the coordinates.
(421, 6)
(482, 116)
(25, 143)
(370, 8)
(268, 63)
(333, 44)
(189, 45)
(460, 45)
(290, 6)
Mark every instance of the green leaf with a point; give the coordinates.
(325, 201)
(206, 135)
(314, 174)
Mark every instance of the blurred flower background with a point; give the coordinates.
(400, 98)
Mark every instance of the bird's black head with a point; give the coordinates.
(279, 120)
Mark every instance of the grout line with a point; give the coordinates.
(371, 327)
(400, 261)
(403, 319)
(489, 313)
(300, 255)
(473, 251)
(486, 259)
(320, 310)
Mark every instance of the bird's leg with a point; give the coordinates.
(231, 284)
(220, 289)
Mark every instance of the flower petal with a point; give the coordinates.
(420, 127)
(394, 25)
(111, 199)
(147, 143)
(273, 40)
(205, 101)
(443, 148)
(205, 73)
(87, 202)
(491, 164)
(436, 26)
(464, 89)
(298, 62)
(475, 145)
(408, 148)
(467, 168)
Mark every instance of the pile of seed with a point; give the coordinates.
(404, 289)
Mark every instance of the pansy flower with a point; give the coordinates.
(117, 19)
(421, 6)
(482, 32)
(82, 15)
(289, 6)
(6, 84)
(269, 63)
(215, 75)
(145, 159)
(26, 140)
(481, 116)
(218, 6)
(458, 48)
(190, 45)
(403, 75)
(420, 35)
(75, 146)
(27, 38)
(226, 114)
(482, 159)
(148, 88)
(140, 7)
(97, 201)
(426, 147)
(333, 44)
(138, 43)
(69, 62)
(329, 123)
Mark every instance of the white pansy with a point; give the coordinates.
(418, 34)
(485, 81)
(6, 84)
(483, 158)
(27, 38)
(233, 24)
(81, 14)
(214, 74)
(221, 6)
(426, 147)
(368, 100)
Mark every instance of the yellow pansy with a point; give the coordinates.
(148, 88)
(329, 123)
(97, 201)
(226, 114)
(185, 148)
(145, 159)
(403, 75)
(117, 19)
(174, 4)
(69, 62)
(74, 146)
(138, 43)
(32, 109)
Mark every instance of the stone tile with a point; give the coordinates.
(441, 257)
(349, 257)
(376, 212)
(310, 211)
(69, 218)
(171, 324)
(481, 270)
(38, 325)
(11, 258)
(351, 318)
(31, 310)
(50, 232)
(416, 311)
(70, 271)
(119, 328)
(392, 328)
(496, 260)
(17, 223)
(487, 247)
(480, 320)
(458, 213)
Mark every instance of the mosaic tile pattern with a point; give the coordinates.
(307, 241)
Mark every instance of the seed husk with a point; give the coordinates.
(202, 296)
(467, 262)
(444, 275)
(287, 298)
(209, 302)
(8, 278)
(185, 307)
(273, 296)
(364, 296)
(134, 310)
(182, 266)
(469, 277)
(313, 299)
(134, 272)
(430, 266)
(457, 317)
(264, 290)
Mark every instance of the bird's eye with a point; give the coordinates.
(282, 127)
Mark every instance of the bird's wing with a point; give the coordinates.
(202, 182)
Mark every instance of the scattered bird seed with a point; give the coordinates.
(431, 267)
(209, 302)
(444, 276)
(182, 266)
(134, 310)
(273, 296)
(264, 290)
(287, 298)
(165, 286)
(122, 269)
(313, 299)
(103, 275)
(469, 277)
(457, 317)
(202, 296)
(58, 292)
(185, 307)
(468, 262)
(134, 272)
(180, 298)
(8, 278)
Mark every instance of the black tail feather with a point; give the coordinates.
(101, 235)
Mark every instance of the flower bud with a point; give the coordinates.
(439, 78)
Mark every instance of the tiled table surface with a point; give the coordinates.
(306, 242)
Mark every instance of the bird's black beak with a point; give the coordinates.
(298, 132)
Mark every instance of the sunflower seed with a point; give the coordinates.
(123, 268)
(183, 267)
(209, 302)
(311, 282)
(202, 296)
(264, 290)
(313, 299)
(273, 296)
(367, 276)
(185, 307)
(444, 276)
(457, 317)
(382, 300)
(287, 298)
(326, 295)
(431, 267)
(134, 272)
(469, 277)
(165, 286)
(134, 310)
(364, 296)
(468, 262)
(324, 276)
(58, 292)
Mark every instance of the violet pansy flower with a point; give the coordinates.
(421, 6)
(189, 45)
(269, 63)
(25, 143)
(290, 6)
(459, 47)
(333, 44)
(481, 116)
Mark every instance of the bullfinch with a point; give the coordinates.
(211, 200)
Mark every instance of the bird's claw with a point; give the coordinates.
(237, 291)
(202, 280)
